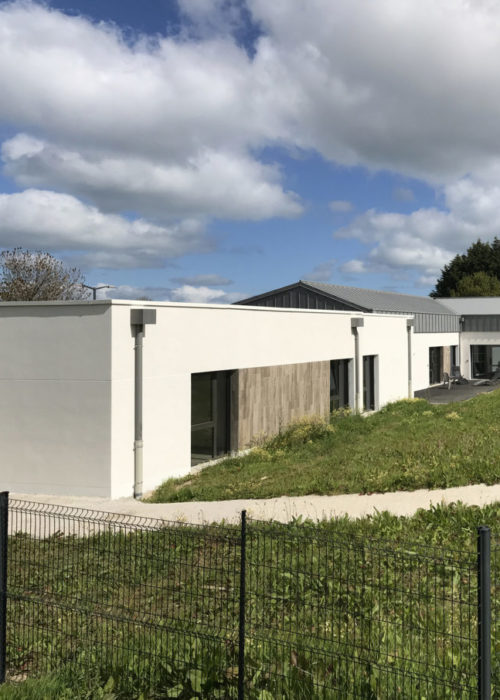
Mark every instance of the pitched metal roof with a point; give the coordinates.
(374, 300)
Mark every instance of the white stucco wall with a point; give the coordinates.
(55, 398)
(196, 338)
(475, 338)
(421, 342)
(67, 382)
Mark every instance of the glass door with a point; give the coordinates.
(210, 416)
(339, 384)
(435, 364)
(369, 382)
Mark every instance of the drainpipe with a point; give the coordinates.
(409, 325)
(138, 319)
(355, 324)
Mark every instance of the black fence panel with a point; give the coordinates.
(258, 610)
(495, 616)
(330, 617)
(153, 604)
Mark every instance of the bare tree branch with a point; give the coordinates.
(37, 276)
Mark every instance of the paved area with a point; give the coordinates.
(457, 392)
(282, 509)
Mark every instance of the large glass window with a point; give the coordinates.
(339, 384)
(485, 360)
(210, 415)
(369, 382)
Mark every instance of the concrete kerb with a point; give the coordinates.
(283, 509)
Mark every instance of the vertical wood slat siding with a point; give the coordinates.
(269, 398)
(446, 359)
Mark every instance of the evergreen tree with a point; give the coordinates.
(480, 257)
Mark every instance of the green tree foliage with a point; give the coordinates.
(479, 284)
(480, 257)
(37, 276)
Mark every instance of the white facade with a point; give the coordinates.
(67, 373)
(476, 338)
(421, 342)
(55, 398)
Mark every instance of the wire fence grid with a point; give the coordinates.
(256, 610)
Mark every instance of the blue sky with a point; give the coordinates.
(208, 150)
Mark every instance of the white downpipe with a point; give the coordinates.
(138, 443)
(409, 325)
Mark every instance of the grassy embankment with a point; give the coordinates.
(407, 445)
(384, 615)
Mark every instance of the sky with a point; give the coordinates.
(211, 150)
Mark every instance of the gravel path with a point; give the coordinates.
(282, 509)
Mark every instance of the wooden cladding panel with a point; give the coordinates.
(270, 398)
(446, 359)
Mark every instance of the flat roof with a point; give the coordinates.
(184, 304)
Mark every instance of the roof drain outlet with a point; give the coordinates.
(139, 318)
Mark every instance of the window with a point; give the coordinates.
(210, 415)
(485, 360)
(339, 384)
(453, 356)
(369, 382)
(435, 365)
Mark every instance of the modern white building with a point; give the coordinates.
(110, 398)
(213, 379)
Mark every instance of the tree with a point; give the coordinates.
(36, 276)
(480, 257)
(479, 284)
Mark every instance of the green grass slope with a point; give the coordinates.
(407, 445)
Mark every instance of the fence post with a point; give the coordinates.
(4, 523)
(484, 612)
(241, 626)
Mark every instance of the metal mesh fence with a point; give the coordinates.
(159, 607)
(153, 604)
(358, 619)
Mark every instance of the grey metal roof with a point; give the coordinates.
(472, 306)
(374, 300)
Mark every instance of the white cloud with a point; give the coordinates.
(210, 184)
(402, 84)
(340, 205)
(407, 85)
(175, 127)
(322, 272)
(165, 125)
(427, 239)
(204, 295)
(44, 219)
(353, 267)
(185, 293)
(211, 17)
